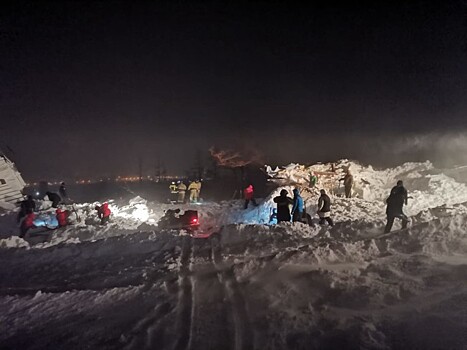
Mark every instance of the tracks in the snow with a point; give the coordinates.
(211, 310)
(206, 308)
(185, 296)
(243, 335)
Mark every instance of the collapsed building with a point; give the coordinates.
(11, 182)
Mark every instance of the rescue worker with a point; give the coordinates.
(27, 223)
(248, 194)
(192, 189)
(396, 200)
(62, 216)
(173, 191)
(62, 191)
(297, 206)
(103, 212)
(54, 198)
(198, 192)
(181, 188)
(195, 189)
(324, 209)
(348, 183)
(283, 202)
(26, 206)
(312, 180)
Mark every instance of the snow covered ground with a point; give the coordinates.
(251, 285)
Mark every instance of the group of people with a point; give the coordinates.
(394, 203)
(27, 214)
(293, 209)
(179, 191)
(288, 209)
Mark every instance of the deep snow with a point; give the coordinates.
(251, 285)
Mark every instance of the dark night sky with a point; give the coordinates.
(88, 87)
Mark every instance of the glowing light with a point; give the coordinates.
(141, 213)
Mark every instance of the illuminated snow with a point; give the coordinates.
(256, 285)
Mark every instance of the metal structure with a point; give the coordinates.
(11, 182)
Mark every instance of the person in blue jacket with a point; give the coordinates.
(297, 207)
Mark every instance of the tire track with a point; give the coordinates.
(211, 322)
(171, 319)
(185, 296)
(143, 334)
(243, 334)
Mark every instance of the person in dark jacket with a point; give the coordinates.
(54, 198)
(348, 183)
(248, 194)
(395, 202)
(283, 202)
(62, 191)
(26, 206)
(297, 206)
(324, 209)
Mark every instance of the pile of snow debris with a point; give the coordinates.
(84, 223)
(253, 285)
(427, 187)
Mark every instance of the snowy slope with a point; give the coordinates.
(129, 285)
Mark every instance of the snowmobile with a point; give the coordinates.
(174, 220)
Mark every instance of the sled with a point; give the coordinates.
(41, 231)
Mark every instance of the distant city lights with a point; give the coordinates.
(116, 179)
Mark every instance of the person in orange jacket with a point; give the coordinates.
(248, 194)
(27, 223)
(103, 212)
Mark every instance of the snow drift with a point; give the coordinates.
(250, 285)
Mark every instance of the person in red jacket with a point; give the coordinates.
(103, 212)
(61, 217)
(27, 223)
(248, 194)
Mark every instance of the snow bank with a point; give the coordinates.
(6, 206)
(13, 242)
(426, 186)
(252, 284)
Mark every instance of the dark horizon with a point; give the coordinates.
(90, 87)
